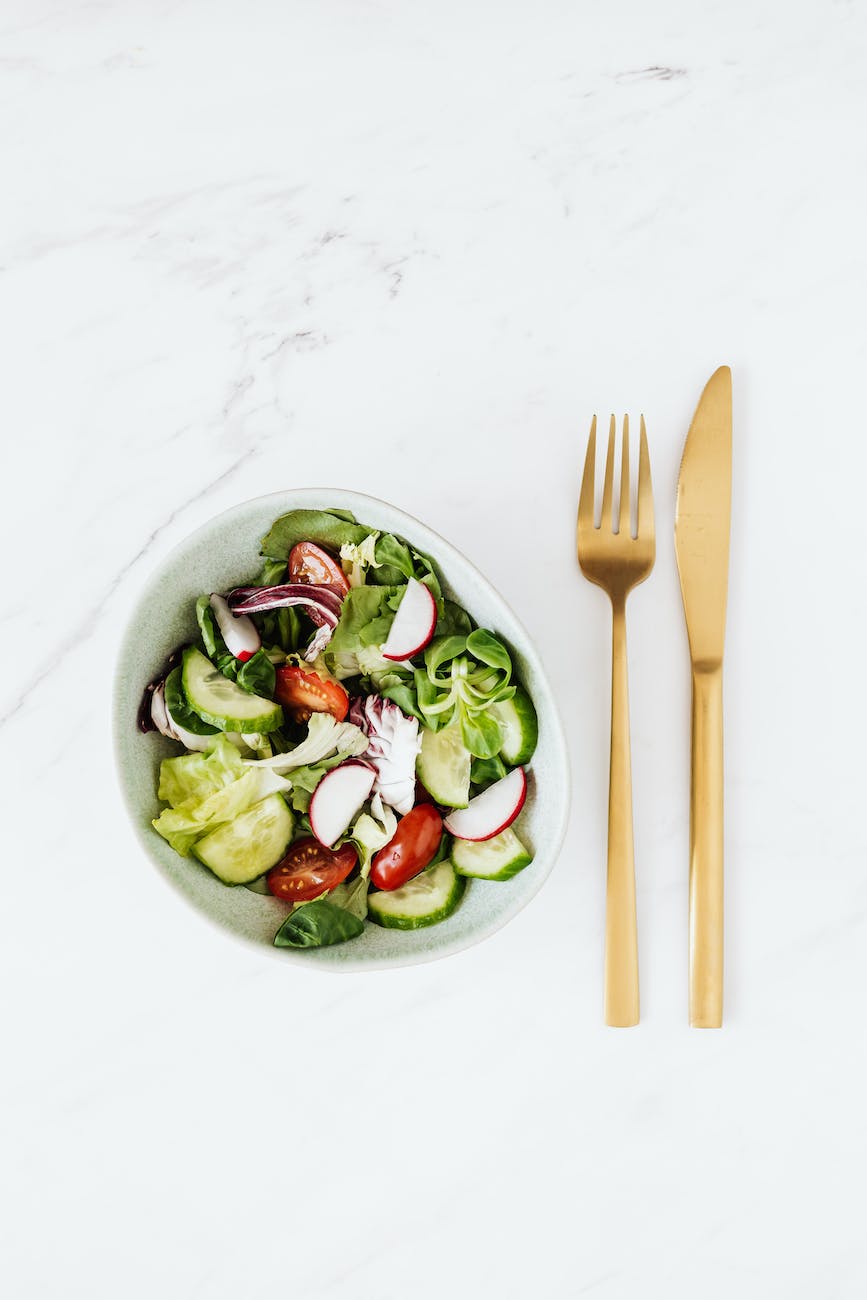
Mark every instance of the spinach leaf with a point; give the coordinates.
(280, 627)
(179, 707)
(257, 675)
(215, 647)
(273, 572)
(485, 771)
(351, 896)
(443, 851)
(453, 621)
(318, 925)
(324, 527)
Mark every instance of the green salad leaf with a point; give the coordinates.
(305, 780)
(463, 675)
(180, 709)
(324, 527)
(365, 620)
(371, 831)
(186, 823)
(318, 925)
(281, 628)
(195, 776)
(357, 557)
(401, 692)
(273, 572)
(326, 739)
(351, 896)
(203, 790)
(397, 563)
(257, 675)
(485, 771)
(453, 620)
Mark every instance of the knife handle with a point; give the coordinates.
(621, 929)
(706, 853)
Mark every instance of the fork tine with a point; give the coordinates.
(645, 488)
(608, 487)
(625, 493)
(588, 482)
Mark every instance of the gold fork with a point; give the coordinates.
(617, 561)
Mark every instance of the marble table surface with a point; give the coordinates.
(410, 249)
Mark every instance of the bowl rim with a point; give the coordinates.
(348, 499)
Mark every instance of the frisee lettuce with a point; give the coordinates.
(326, 738)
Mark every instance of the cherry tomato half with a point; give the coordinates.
(304, 693)
(308, 869)
(309, 563)
(409, 850)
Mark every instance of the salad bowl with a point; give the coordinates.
(217, 556)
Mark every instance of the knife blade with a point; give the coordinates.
(701, 540)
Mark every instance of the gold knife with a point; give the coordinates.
(701, 542)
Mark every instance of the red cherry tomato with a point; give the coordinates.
(308, 869)
(309, 563)
(304, 693)
(409, 850)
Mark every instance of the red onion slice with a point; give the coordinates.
(320, 600)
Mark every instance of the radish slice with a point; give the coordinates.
(159, 712)
(338, 797)
(413, 624)
(239, 632)
(491, 811)
(166, 725)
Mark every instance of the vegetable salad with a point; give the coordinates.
(349, 742)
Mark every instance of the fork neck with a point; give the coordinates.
(618, 604)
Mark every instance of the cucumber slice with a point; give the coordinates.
(424, 900)
(498, 858)
(255, 841)
(219, 701)
(443, 766)
(517, 717)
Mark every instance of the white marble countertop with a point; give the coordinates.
(410, 248)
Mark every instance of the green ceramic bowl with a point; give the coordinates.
(223, 554)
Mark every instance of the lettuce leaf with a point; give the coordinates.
(305, 780)
(357, 558)
(326, 528)
(365, 621)
(371, 831)
(195, 776)
(203, 790)
(189, 821)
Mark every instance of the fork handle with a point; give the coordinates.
(706, 853)
(621, 928)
